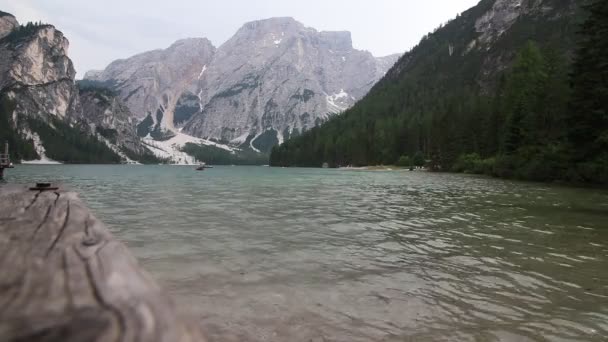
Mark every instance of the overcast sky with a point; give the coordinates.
(102, 31)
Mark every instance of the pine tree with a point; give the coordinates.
(419, 159)
(588, 119)
(523, 93)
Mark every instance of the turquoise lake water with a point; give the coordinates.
(266, 254)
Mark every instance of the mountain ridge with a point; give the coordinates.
(231, 95)
(40, 104)
(487, 92)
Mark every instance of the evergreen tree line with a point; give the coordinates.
(218, 156)
(545, 117)
(19, 147)
(23, 31)
(61, 141)
(71, 145)
(145, 157)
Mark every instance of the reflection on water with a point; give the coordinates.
(265, 254)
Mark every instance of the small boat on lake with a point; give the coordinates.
(203, 166)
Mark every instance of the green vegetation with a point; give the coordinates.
(110, 87)
(473, 163)
(218, 156)
(19, 148)
(108, 133)
(587, 118)
(145, 126)
(71, 145)
(144, 157)
(266, 141)
(99, 89)
(184, 112)
(161, 135)
(419, 159)
(24, 31)
(156, 132)
(404, 161)
(522, 109)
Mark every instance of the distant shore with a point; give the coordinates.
(380, 168)
(44, 161)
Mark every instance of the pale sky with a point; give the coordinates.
(102, 31)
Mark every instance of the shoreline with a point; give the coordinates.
(381, 168)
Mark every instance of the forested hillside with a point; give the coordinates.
(20, 148)
(45, 115)
(523, 99)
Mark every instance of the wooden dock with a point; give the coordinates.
(64, 277)
(5, 161)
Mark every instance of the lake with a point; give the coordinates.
(267, 254)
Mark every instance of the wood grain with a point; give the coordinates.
(64, 277)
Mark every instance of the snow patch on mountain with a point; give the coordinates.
(171, 148)
(336, 103)
(273, 73)
(252, 140)
(202, 72)
(241, 139)
(200, 99)
(280, 137)
(117, 150)
(39, 149)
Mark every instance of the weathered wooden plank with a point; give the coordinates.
(64, 277)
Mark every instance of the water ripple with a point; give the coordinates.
(325, 255)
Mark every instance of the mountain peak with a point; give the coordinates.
(274, 77)
(5, 14)
(274, 21)
(191, 42)
(7, 24)
(190, 46)
(277, 25)
(337, 40)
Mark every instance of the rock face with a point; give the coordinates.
(36, 72)
(109, 117)
(275, 78)
(7, 24)
(152, 83)
(461, 61)
(272, 79)
(37, 77)
(501, 17)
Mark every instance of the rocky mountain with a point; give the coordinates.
(7, 24)
(151, 83)
(35, 70)
(42, 113)
(486, 92)
(274, 78)
(113, 122)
